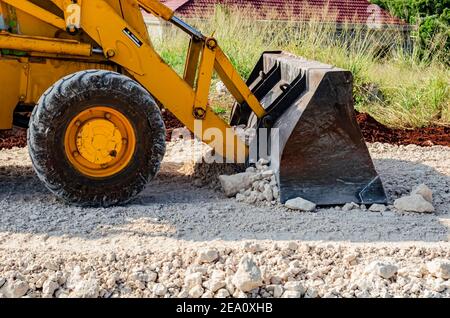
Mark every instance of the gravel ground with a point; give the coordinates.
(183, 238)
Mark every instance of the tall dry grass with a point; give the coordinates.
(392, 82)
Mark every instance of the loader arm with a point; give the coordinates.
(122, 44)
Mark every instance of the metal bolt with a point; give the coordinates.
(107, 115)
(22, 97)
(76, 154)
(124, 141)
(104, 165)
(211, 43)
(78, 123)
(110, 53)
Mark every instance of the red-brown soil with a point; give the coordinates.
(16, 137)
(428, 136)
(372, 131)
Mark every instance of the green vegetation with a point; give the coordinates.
(432, 18)
(397, 86)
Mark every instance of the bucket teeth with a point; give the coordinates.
(316, 147)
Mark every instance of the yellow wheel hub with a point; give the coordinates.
(100, 142)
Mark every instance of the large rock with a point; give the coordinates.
(49, 287)
(424, 191)
(377, 208)
(208, 255)
(439, 268)
(15, 289)
(88, 288)
(300, 204)
(413, 203)
(248, 275)
(192, 280)
(384, 270)
(232, 184)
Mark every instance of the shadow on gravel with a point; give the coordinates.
(171, 206)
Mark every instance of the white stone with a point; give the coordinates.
(232, 184)
(385, 270)
(214, 285)
(159, 289)
(196, 291)
(86, 289)
(208, 294)
(424, 191)
(248, 275)
(252, 247)
(377, 207)
(350, 206)
(439, 268)
(51, 265)
(222, 293)
(295, 286)
(49, 287)
(275, 192)
(221, 89)
(192, 280)
(267, 193)
(300, 204)
(291, 294)
(208, 255)
(413, 203)
(267, 173)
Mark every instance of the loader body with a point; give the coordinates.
(81, 61)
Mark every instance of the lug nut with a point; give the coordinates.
(124, 141)
(76, 154)
(108, 116)
(104, 165)
(78, 123)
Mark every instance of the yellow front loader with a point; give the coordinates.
(87, 72)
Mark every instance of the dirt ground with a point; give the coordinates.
(175, 217)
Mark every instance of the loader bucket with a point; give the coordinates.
(321, 156)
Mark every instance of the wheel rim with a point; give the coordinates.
(100, 142)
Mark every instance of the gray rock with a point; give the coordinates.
(232, 184)
(424, 191)
(384, 270)
(222, 293)
(15, 289)
(159, 289)
(350, 206)
(208, 255)
(377, 208)
(295, 286)
(248, 275)
(300, 204)
(413, 203)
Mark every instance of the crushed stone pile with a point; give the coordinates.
(249, 269)
(256, 184)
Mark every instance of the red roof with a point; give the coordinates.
(353, 11)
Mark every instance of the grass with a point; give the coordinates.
(397, 86)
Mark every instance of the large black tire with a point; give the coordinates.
(67, 98)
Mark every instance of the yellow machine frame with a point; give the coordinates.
(117, 34)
